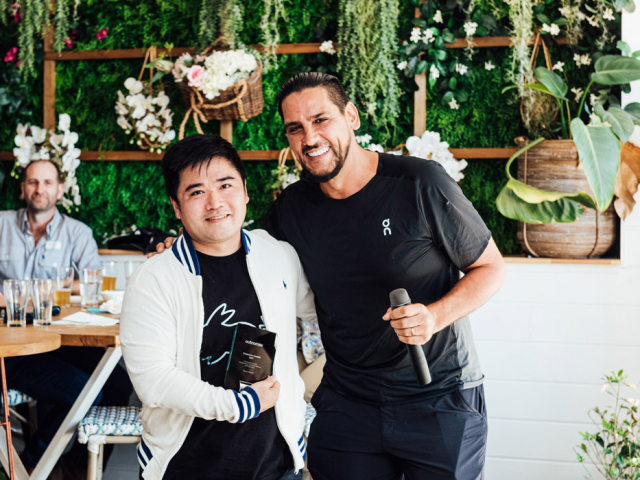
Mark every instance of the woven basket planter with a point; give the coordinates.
(554, 165)
(242, 101)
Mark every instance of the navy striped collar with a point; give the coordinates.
(185, 252)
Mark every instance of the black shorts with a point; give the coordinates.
(439, 438)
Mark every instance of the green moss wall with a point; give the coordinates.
(116, 195)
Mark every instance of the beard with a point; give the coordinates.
(341, 158)
(40, 204)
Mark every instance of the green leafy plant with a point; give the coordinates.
(613, 449)
(368, 38)
(220, 22)
(598, 143)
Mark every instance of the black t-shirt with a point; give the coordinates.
(410, 227)
(222, 450)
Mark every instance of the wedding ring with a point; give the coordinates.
(412, 332)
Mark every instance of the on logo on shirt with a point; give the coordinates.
(386, 224)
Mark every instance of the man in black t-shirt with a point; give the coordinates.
(364, 224)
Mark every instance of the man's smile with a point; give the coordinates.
(318, 153)
(217, 218)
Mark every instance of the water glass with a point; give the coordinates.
(108, 276)
(63, 279)
(16, 295)
(129, 267)
(42, 295)
(90, 287)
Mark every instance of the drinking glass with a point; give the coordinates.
(129, 267)
(42, 295)
(90, 284)
(16, 295)
(63, 278)
(108, 276)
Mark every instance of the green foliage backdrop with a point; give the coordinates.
(116, 195)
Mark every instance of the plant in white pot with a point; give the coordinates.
(598, 145)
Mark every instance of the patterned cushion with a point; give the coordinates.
(110, 421)
(16, 398)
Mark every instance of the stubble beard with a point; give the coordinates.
(335, 170)
(34, 209)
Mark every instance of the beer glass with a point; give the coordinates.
(63, 278)
(108, 276)
(16, 295)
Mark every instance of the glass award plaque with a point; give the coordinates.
(251, 360)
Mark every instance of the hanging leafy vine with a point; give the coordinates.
(273, 11)
(34, 17)
(220, 22)
(367, 34)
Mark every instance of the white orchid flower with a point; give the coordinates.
(139, 112)
(402, 65)
(70, 160)
(122, 122)
(69, 139)
(416, 34)
(162, 100)
(23, 155)
(39, 134)
(43, 154)
(121, 109)
(141, 127)
(64, 122)
(437, 17)
(56, 140)
(134, 86)
(22, 129)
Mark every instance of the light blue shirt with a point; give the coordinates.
(65, 240)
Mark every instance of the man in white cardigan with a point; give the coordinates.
(177, 325)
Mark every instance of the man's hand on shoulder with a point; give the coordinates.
(163, 245)
(268, 392)
(414, 324)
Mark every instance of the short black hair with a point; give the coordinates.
(196, 151)
(306, 80)
(23, 174)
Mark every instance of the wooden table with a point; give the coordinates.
(14, 343)
(74, 336)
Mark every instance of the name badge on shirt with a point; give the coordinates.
(51, 245)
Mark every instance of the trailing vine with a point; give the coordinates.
(521, 16)
(220, 22)
(273, 12)
(367, 34)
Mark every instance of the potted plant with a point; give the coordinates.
(558, 179)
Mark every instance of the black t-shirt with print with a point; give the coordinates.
(251, 450)
(409, 227)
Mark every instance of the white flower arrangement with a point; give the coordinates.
(146, 116)
(327, 47)
(58, 146)
(216, 72)
(430, 147)
(365, 142)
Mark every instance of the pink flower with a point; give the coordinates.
(15, 11)
(11, 54)
(68, 42)
(18, 63)
(195, 76)
(102, 34)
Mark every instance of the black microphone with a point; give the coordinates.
(399, 298)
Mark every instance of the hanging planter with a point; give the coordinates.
(225, 85)
(553, 165)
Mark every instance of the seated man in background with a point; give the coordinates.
(178, 322)
(34, 239)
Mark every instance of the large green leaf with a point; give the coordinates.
(534, 195)
(560, 211)
(599, 152)
(616, 70)
(633, 109)
(621, 122)
(552, 81)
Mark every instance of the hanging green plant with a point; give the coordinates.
(33, 18)
(221, 22)
(368, 39)
(273, 11)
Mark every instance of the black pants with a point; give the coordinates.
(441, 438)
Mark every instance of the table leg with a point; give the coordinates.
(76, 414)
(7, 423)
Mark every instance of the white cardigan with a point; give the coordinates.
(161, 333)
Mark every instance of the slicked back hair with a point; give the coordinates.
(306, 80)
(196, 151)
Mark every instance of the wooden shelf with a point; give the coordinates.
(563, 261)
(261, 155)
(281, 49)
(107, 251)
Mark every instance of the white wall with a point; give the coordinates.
(546, 339)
